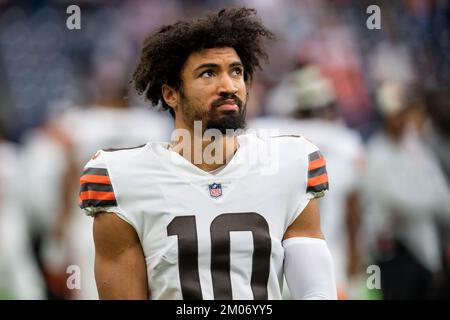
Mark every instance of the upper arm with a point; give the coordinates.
(120, 269)
(307, 224)
(307, 220)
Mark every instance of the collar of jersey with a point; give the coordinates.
(185, 168)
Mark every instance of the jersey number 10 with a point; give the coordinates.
(185, 228)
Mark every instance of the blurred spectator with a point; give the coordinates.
(20, 277)
(436, 135)
(437, 130)
(406, 191)
(333, 46)
(71, 139)
(306, 104)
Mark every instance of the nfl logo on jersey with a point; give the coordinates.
(215, 190)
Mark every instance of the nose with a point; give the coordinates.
(227, 85)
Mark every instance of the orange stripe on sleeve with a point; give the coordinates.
(94, 179)
(316, 164)
(317, 180)
(97, 195)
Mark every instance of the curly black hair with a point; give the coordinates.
(165, 51)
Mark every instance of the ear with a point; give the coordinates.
(170, 96)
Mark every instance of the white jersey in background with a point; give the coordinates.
(19, 274)
(209, 235)
(405, 199)
(80, 132)
(344, 152)
(100, 127)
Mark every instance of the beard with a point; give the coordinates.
(232, 121)
(214, 119)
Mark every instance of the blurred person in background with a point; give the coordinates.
(19, 275)
(405, 191)
(305, 104)
(334, 47)
(437, 129)
(436, 134)
(53, 159)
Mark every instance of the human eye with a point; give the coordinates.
(238, 71)
(207, 74)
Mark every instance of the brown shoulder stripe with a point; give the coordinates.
(96, 189)
(97, 203)
(315, 155)
(317, 173)
(318, 188)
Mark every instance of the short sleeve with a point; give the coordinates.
(96, 190)
(314, 177)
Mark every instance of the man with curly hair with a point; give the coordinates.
(216, 226)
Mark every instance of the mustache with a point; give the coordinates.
(222, 100)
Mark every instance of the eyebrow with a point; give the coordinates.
(214, 65)
(237, 64)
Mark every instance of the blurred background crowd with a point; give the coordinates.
(375, 101)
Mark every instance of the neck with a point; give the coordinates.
(395, 134)
(207, 152)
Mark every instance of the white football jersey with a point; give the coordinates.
(209, 235)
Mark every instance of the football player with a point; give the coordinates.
(19, 273)
(169, 225)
